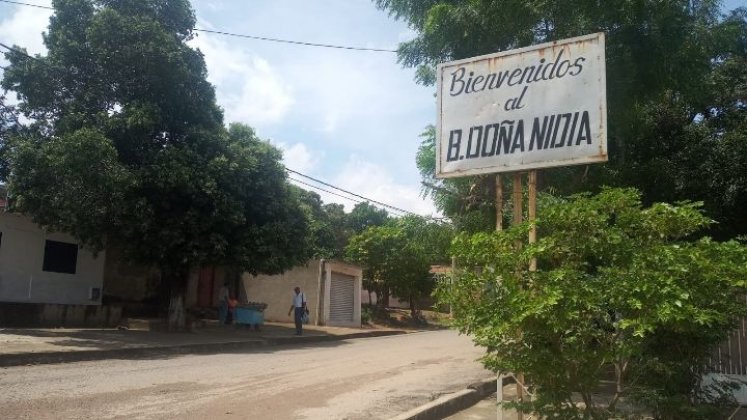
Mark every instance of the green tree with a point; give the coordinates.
(323, 233)
(8, 127)
(617, 286)
(397, 257)
(128, 146)
(338, 221)
(676, 73)
(365, 215)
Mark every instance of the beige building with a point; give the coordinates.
(332, 288)
(37, 266)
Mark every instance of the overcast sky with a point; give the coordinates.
(351, 118)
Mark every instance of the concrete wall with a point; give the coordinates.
(314, 278)
(51, 315)
(368, 299)
(128, 282)
(21, 261)
(277, 291)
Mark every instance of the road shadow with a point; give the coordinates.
(87, 345)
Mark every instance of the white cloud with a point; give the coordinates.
(24, 28)
(338, 89)
(249, 89)
(373, 181)
(299, 158)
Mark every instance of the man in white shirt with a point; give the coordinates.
(298, 307)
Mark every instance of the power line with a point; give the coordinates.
(287, 41)
(349, 192)
(387, 206)
(16, 50)
(254, 37)
(322, 189)
(365, 199)
(27, 4)
(326, 191)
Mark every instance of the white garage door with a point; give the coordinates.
(341, 298)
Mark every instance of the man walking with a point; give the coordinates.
(298, 306)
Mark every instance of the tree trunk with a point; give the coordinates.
(177, 283)
(413, 309)
(176, 316)
(384, 302)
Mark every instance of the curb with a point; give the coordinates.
(44, 358)
(450, 404)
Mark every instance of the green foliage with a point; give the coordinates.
(397, 257)
(330, 228)
(676, 77)
(337, 219)
(327, 233)
(367, 314)
(72, 183)
(616, 286)
(365, 215)
(9, 126)
(128, 146)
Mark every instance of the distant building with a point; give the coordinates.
(47, 278)
(332, 288)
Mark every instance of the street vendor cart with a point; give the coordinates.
(250, 314)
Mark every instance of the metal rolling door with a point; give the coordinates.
(341, 298)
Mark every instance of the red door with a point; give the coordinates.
(206, 287)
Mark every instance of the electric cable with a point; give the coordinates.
(349, 192)
(365, 199)
(254, 37)
(325, 190)
(16, 50)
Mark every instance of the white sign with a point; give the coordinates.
(530, 108)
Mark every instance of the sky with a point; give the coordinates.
(350, 118)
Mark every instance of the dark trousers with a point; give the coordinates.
(298, 314)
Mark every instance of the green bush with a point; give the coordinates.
(621, 292)
(366, 314)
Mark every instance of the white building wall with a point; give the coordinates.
(21, 259)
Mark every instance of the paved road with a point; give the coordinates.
(373, 378)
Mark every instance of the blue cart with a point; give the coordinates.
(249, 315)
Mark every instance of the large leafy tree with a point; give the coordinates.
(327, 234)
(676, 72)
(331, 228)
(365, 215)
(397, 256)
(9, 126)
(128, 146)
(338, 222)
(618, 285)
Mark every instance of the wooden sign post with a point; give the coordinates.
(518, 111)
(518, 216)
